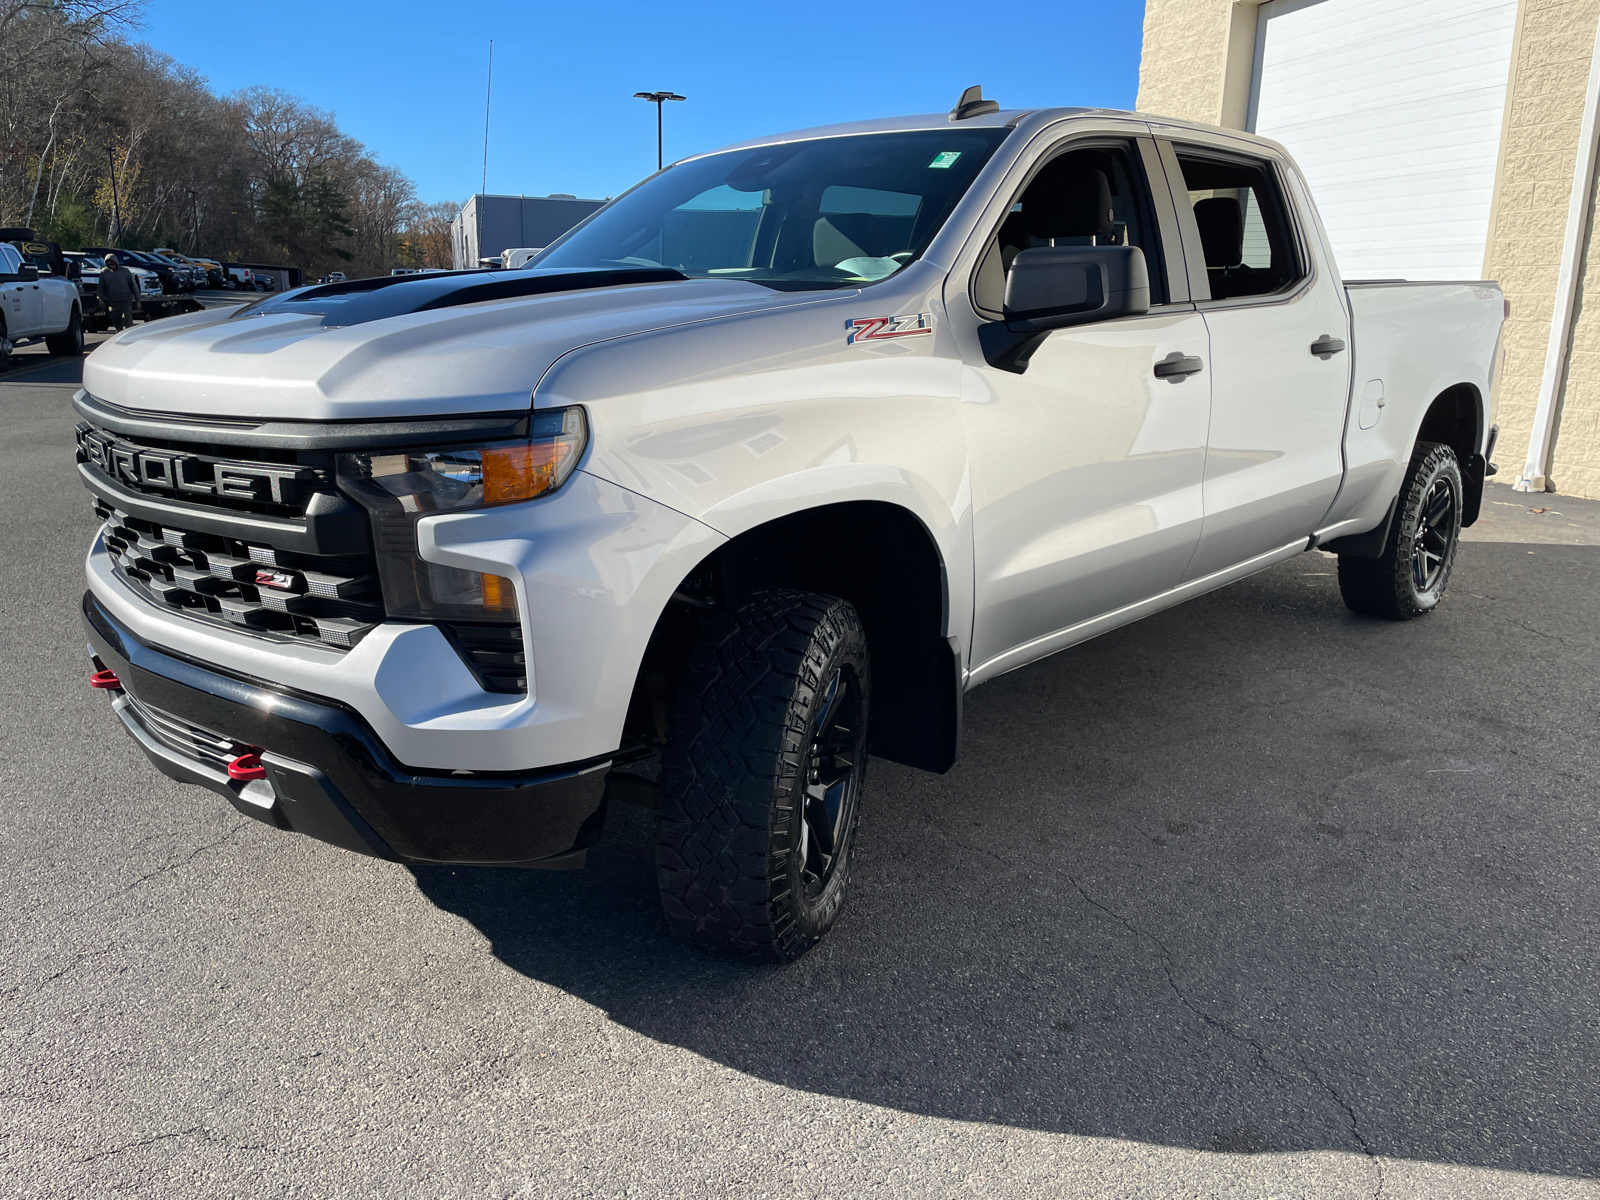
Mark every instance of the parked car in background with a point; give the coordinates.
(192, 275)
(150, 304)
(518, 258)
(333, 277)
(210, 269)
(37, 307)
(174, 279)
(238, 278)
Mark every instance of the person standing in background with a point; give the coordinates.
(119, 289)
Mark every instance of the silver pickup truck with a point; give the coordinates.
(753, 474)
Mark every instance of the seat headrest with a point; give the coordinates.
(1068, 199)
(1221, 223)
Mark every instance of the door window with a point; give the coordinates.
(1243, 224)
(1091, 196)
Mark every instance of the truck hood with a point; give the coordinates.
(274, 363)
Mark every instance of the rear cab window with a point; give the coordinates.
(1242, 223)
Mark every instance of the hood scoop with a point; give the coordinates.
(361, 300)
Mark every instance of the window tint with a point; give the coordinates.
(1089, 197)
(1244, 227)
(13, 260)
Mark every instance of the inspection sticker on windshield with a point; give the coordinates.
(943, 159)
(882, 329)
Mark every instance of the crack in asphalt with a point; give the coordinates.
(1229, 1031)
(166, 1137)
(83, 956)
(175, 863)
(1205, 1018)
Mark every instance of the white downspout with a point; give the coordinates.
(1535, 472)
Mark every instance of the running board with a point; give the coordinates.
(1061, 639)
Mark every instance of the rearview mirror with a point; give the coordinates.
(1054, 287)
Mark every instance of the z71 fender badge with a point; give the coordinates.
(882, 329)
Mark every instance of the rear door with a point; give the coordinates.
(1278, 329)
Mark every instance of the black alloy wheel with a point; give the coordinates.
(1434, 539)
(762, 775)
(1408, 579)
(831, 780)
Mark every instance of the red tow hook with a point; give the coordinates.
(247, 766)
(106, 680)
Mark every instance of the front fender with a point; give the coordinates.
(593, 567)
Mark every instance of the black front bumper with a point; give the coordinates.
(329, 776)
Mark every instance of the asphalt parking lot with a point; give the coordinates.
(1256, 898)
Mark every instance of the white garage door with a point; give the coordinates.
(1392, 108)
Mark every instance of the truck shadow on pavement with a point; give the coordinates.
(1254, 875)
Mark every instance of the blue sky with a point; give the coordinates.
(407, 78)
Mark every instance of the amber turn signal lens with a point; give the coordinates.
(521, 472)
(498, 594)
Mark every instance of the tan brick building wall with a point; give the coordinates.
(1539, 148)
(1183, 69)
(1196, 64)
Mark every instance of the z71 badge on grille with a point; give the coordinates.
(883, 329)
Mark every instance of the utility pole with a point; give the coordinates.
(116, 206)
(659, 99)
(488, 92)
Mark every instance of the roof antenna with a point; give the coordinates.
(972, 104)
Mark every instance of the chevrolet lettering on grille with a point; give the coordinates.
(179, 473)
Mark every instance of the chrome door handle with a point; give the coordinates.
(1177, 365)
(1325, 347)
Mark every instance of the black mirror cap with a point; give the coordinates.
(28, 273)
(1053, 287)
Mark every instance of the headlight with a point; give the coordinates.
(399, 488)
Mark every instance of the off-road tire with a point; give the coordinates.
(1389, 586)
(735, 771)
(5, 346)
(69, 342)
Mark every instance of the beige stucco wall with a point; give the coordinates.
(1183, 69)
(1544, 108)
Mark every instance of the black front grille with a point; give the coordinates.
(269, 482)
(245, 585)
(495, 654)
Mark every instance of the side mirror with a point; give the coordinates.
(74, 269)
(28, 273)
(1055, 287)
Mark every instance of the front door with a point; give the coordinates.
(1279, 362)
(1087, 468)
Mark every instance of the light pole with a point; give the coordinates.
(659, 99)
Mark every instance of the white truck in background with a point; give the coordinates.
(37, 305)
(755, 472)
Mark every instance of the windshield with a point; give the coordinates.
(833, 212)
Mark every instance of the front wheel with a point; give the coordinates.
(69, 342)
(762, 776)
(1409, 578)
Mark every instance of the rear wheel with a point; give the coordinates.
(1409, 578)
(69, 342)
(5, 346)
(762, 776)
